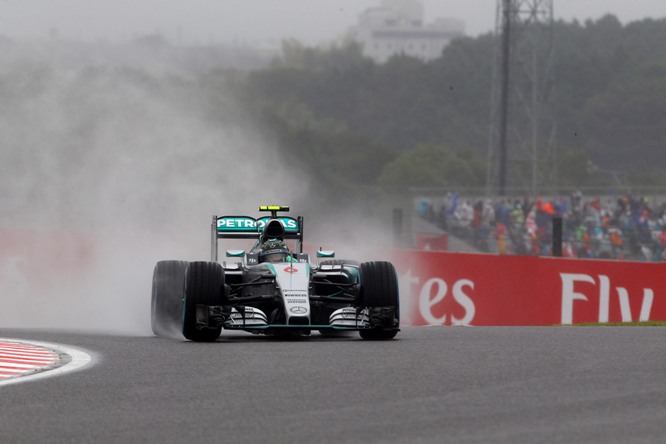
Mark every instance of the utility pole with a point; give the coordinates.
(504, 101)
(520, 91)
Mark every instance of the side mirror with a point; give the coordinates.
(326, 253)
(235, 253)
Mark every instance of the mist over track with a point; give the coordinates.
(107, 167)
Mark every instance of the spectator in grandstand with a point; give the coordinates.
(662, 243)
(615, 237)
(621, 228)
(500, 236)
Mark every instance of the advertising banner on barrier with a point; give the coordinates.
(440, 288)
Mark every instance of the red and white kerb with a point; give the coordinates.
(18, 359)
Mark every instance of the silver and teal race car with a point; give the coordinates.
(272, 289)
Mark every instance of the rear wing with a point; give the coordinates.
(246, 227)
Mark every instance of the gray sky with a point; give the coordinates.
(251, 21)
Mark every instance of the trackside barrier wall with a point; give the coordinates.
(436, 288)
(439, 288)
(44, 250)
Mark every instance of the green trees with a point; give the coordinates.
(627, 122)
(348, 128)
(416, 118)
(432, 166)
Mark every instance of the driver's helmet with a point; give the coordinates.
(273, 250)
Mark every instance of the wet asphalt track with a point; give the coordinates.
(432, 385)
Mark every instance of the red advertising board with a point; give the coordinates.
(31, 260)
(439, 288)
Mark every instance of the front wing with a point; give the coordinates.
(251, 318)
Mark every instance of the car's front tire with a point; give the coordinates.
(166, 308)
(204, 286)
(379, 293)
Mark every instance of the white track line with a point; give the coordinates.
(79, 359)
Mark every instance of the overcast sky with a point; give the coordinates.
(247, 21)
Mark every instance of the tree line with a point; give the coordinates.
(358, 130)
(409, 123)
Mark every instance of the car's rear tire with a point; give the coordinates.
(379, 293)
(166, 307)
(204, 285)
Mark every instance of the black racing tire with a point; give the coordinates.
(379, 293)
(204, 285)
(340, 262)
(166, 307)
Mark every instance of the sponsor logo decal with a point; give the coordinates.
(298, 310)
(235, 224)
(291, 269)
(296, 301)
(290, 224)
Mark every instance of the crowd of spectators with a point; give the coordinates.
(621, 227)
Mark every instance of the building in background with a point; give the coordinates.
(397, 27)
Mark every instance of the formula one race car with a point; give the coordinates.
(271, 289)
